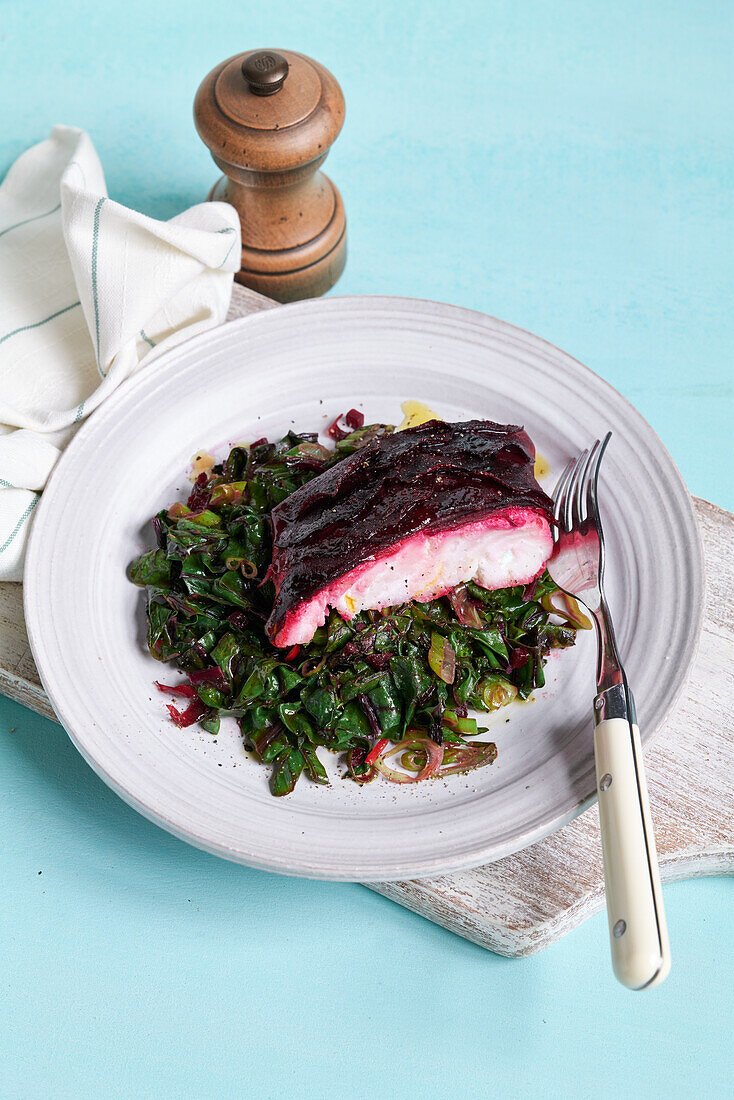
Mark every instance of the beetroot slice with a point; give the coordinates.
(336, 431)
(212, 676)
(180, 689)
(200, 495)
(193, 713)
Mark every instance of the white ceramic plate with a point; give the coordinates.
(300, 365)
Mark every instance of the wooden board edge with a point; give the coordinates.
(27, 693)
(523, 940)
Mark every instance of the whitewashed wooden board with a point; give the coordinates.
(521, 904)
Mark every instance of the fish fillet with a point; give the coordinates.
(409, 516)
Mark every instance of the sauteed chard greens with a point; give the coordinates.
(389, 687)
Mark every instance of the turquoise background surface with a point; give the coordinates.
(567, 167)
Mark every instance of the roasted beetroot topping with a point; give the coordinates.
(435, 478)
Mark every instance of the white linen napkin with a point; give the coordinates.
(89, 292)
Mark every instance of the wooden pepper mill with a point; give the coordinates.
(269, 120)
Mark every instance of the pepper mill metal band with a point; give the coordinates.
(269, 119)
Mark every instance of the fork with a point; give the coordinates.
(638, 933)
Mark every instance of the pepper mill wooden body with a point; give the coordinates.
(269, 120)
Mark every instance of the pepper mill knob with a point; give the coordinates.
(269, 119)
(265, 72)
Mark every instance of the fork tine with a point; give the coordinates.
(560, 491)
(593, 479)
(571, 489)
(579, 502)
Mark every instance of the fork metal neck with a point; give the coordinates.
(615, 702)
(608, 667)
(614, 699)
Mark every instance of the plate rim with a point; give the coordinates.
(33, 615)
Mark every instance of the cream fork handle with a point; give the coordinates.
(638, 932)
